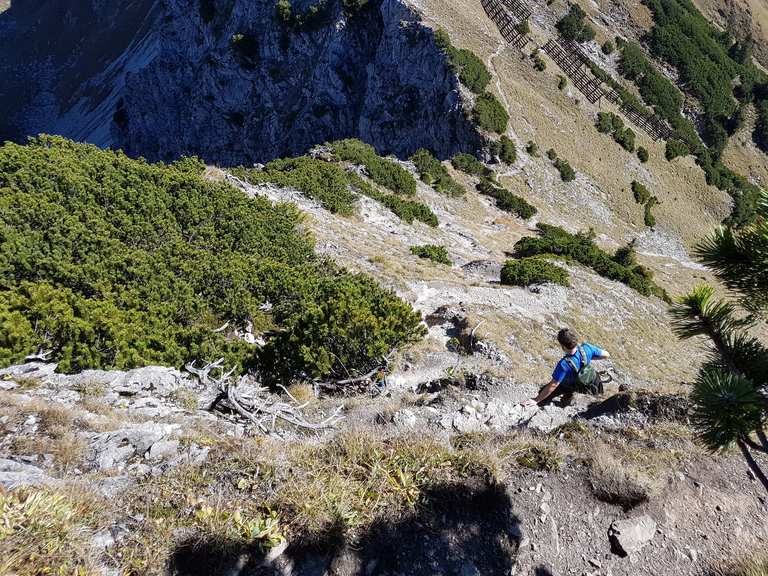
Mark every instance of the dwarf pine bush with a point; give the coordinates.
(533, 270)
(111, 262)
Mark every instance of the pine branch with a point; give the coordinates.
(753, 465)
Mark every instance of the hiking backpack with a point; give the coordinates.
(585, 379)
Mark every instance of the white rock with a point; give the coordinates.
(631, 535)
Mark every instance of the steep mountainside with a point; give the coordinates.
(232, 82)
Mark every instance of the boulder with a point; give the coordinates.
(158, 380)
(631, 535)
(15, 475)
(113, 449)
(404, 418)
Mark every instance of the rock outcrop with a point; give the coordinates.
(229, 81)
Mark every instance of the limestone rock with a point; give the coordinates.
(113, 449)
(404, 418)
(15, 475)
(377, 75)
(631, 535)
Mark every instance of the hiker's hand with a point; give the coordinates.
(529, 402)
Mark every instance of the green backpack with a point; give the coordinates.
(585, 380)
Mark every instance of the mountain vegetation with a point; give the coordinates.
(488, 112)
(110, 262)
(581, 248)
(533, 270)
(432, 252)
(435, 174)
(731, 393)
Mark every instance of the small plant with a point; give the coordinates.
(610, 123)
(523, 28)
(608, 47)
(562, 82)
(533, 270)
(643, 196)
(301, 392)
(539, 458)
(648, 217)
(572, 26)
(185, 398)
(567, 173)
(552, 154)
(532, 149)
(432, 252)
(507, 150)
(642, 154)
(640, 192)
(538, 62)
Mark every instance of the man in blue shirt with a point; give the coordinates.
(565, 376)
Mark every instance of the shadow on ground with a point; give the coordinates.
(465, 529)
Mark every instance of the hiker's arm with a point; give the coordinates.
(544, 394)
(604, 355)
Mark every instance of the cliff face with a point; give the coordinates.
(228, 80)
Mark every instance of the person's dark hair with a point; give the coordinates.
(568, 338)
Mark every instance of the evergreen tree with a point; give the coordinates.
(730, 396)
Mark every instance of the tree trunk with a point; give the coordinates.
(753, 465)
(763, 439)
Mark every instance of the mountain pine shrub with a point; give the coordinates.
(385, 172)
(468, 164)
(432, 252)
(533, 270)
(573, 26)
(490, 114)
(110, 262)
(435, 174)
(506, 200)
(730, 396)
(581, 248)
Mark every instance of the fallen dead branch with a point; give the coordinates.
(255, 404)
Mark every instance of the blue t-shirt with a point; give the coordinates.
(563, 368)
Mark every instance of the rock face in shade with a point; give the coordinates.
(227, 80)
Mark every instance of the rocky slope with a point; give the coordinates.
(227, 81)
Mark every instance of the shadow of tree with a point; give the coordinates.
(460, 529)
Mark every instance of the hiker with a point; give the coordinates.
(574, 372)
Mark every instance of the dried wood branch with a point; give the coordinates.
(259, 406)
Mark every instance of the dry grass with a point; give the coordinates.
(44, 532)
(185, 398)
(618, 482)
(302, 392)
(757, 566)
(299, 490)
